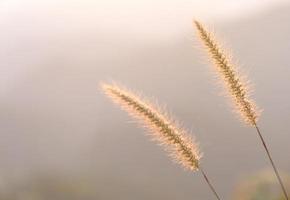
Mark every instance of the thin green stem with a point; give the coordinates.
(209, 183)
(272, 162)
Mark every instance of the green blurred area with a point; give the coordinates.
(261, 186)
(48, 187)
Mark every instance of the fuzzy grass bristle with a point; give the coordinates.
(236, 88)
(180, 145)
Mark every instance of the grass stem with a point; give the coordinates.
(209, 183)
(272, 162)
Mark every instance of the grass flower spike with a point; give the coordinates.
(180, 145)
(236, 88)
(182, 148)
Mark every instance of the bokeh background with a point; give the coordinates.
(61, 138)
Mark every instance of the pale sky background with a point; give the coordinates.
(151, 20)
(55, 123)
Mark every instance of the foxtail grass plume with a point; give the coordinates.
(233, 81)
(165, 130)
(236, 88)
(181, 147)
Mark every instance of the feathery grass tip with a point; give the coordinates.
(236, 88)
(232, 80)
(180, 145)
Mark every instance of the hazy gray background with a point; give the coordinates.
(62, 139)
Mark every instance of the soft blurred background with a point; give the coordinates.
(62, 139)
